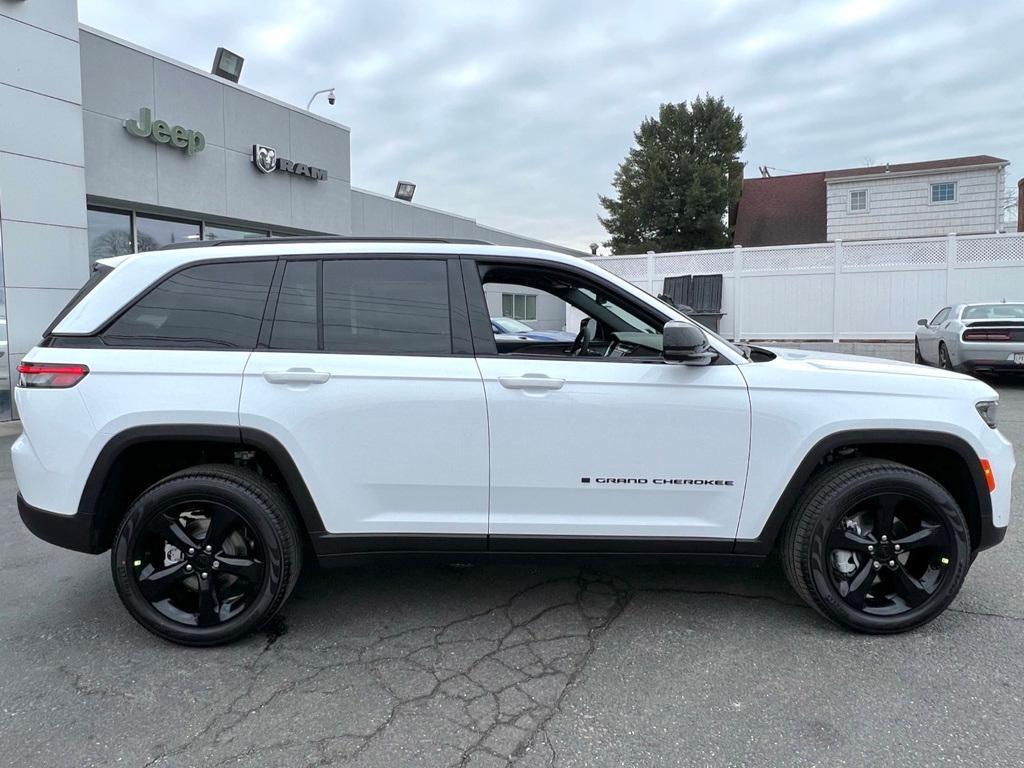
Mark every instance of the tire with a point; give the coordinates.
(913, 584)
(917, 353)
(163, 569)
(944, 359)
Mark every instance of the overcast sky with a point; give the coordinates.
(517, 113)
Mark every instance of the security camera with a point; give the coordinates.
(331, 98)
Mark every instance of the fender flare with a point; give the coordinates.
(242, 436)
(765, 541)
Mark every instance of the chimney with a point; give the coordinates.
(1020, 205)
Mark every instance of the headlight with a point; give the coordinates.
(987, 410)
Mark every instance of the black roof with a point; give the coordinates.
(322, 239)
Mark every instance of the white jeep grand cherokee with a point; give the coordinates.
(214, 414)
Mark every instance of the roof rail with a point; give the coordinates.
(321, 239)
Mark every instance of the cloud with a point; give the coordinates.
(518, 113)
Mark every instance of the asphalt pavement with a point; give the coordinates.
(528, 665)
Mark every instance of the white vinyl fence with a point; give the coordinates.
(876, 289)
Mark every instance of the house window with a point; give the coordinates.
(859, 200)
(944, 192)
(519, 306)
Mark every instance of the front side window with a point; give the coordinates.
(944, 192)
(208, 306)
(940, 317)
(859, 200)
(386, 306)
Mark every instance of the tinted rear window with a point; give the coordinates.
(295, 319)
(99, 271)
(210, 306)
(386, 306)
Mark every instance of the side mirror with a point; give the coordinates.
(686, 344)
(922, 321)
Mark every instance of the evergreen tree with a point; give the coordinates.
(676, 186)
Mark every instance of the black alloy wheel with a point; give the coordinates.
(889, 553)
(207, 555)
(198, 562)
(876, 546)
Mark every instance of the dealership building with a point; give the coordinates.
(107, 148)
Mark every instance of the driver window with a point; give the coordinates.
(537, 311)
(940, 317)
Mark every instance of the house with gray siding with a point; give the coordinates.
(962, 195)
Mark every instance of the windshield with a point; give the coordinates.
(508, 325)
(994, 312)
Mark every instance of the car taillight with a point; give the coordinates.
(986, 336)
(50, 375)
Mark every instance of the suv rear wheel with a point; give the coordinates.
(876, 546)
(206, 555)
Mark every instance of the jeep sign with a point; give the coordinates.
(163, 133)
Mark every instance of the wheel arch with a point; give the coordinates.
(134, 459)
(946, 458)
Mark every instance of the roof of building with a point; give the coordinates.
(782, 210)
(788, 210)
(927, 165)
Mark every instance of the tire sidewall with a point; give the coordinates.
(159, 498)
(921, 488)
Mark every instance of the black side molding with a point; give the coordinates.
(68, 531)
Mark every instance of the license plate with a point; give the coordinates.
(1018, 358)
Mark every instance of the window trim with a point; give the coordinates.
(849, 202)
(99, 334)
(935, 320)
(458, 313)
(931, 192)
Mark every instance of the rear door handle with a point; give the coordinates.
(531, 381)
(297, 376)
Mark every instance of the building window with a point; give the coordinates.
(519, 306)
(110, 233)
(220, 232)
(153, 232)
(944, 192)
(859, 200)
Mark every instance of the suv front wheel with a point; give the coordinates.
(876, 546)
(206, 555)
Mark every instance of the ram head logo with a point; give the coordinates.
(265, 158)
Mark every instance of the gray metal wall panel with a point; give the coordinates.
(39, 61)
(59, 17)
(39, 126)
(118, 166)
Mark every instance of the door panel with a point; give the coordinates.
(387, 444)
(601, 448)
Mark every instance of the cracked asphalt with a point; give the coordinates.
(528, 665)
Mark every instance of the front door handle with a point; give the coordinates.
(531, 381)
(297, 376)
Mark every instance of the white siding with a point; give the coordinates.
(900, 206)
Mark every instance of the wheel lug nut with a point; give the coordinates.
(877, 565)
(188, 569)
(216, 565)
(204, 575)
(892, 563)
(871, 547)
(208, 549)
(191, 550)
(896, 547)
(884, 537)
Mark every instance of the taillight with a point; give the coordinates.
(986, 336)
(50, 375)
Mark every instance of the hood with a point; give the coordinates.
(835, 361)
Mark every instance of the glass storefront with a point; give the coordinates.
(115, 232)
(110, 233)
(5, 363)
(153, 232)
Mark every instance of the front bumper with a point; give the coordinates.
(77, 532)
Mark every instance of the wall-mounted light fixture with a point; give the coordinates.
(227, 65)
(405, 190)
